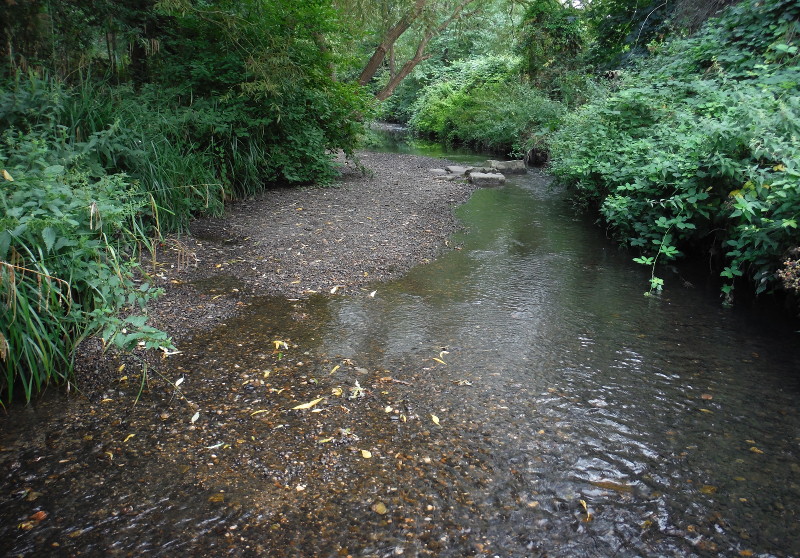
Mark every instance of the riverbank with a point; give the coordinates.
(372, 225)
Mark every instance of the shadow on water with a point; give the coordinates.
(516, 397)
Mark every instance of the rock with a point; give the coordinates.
(455, 169)
(508, 167)
(486, 179)
(438, 172)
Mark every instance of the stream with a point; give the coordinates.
(518, 396)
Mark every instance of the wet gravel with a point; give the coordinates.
(381, 218)
(367, 227)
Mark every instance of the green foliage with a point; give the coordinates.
(552, 37)
(700, 147)
(68, 246)
(480, 102)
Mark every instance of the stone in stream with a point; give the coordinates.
(508, 167)
(486, 179)
(458, 170)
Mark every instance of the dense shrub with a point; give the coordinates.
(481, 103)
(699, 147)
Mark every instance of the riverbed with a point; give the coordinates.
(516, 396)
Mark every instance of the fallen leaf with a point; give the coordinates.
(755, 450)
(7, 176)
(128, 437)
(39, 515)
(439, 360)
(325, 440)
(388, 409)
(217, 498)
(195, 417)
(372, 294)
(179, 381)
(707, 396)
(337, 392)
(307, 405)
(366, 454)
(435, 419)
(335, 368)
(379, 508)
(254, 413)
(708, 489)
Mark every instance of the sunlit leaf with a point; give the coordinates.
(439, 360)
(435, 419)
(366, 454)
(307, 405)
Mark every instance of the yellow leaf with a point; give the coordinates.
(128, 437)
(379, 508)
(439, 360)
(708, 489)
(325, 440)
(779, 168)
(584, 506)
(307, 405)
(366, 454)
(337, 392)
(435, 419)
(335, 368)
(258, 412)
(756, 450)
(195, 417)
(7, 176)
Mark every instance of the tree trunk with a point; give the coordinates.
(388, 41)
(419, 55)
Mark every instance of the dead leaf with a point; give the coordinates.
(39, 515)
(128, 437)
(307, 405)
(366, 454)
(335, 368)
(372, 294)
(708, 489)
(254, 413)
(435, 419)
(439, 360)
(379, 508)
(707, 396)
(217, 498)
(755, 450)
(7, 176)
(195, 417)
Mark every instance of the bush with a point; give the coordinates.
(699, 148)
(481, 103)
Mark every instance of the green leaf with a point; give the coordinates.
(49, 237)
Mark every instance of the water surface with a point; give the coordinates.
(518, 396)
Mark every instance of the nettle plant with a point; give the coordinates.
(69, 245)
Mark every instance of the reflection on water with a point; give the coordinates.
(573, 416)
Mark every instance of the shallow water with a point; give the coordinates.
(519, 396)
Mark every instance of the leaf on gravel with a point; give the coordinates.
(439, 360)
(307, 405)
(195, 417)
(435, 419)
(337, 392)
(756, 450)
(128, 437)
(179, 381)
(366, 454)
(379, 508)
(372, 294)
(335, 368)
(325, 440)
(254, 413)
